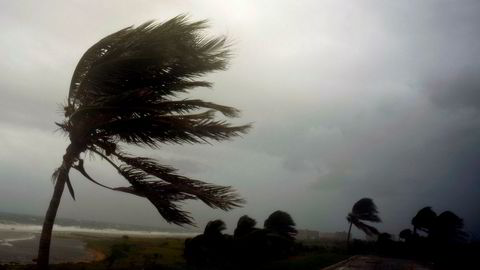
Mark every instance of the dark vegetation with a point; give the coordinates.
(437, 240)
(248, 247)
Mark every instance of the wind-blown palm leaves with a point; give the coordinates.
(363, 210)
(125, 90)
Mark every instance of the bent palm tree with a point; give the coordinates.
(363, 210)
(448, 228)
(245, 225)
(214, 228)
(282, 223)
(125, 91)
(424, 220)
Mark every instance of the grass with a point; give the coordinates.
(135, 253)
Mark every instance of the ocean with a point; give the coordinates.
(19, 236)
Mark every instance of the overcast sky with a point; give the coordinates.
(349, 99)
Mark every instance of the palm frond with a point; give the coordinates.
(161, 194)
(152, 56)
(165, 189)
(70, 188)
(152, 130)
(367, 229)
(80, 168)
(90, 57)
(223, 197)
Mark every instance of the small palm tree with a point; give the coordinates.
(245, 225)
(214, 228)
(448, 228)
(424, 220)
(363, 210)
(281, 222)
(124, 91)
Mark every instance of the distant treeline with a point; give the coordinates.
(248, 245)
(438, 240)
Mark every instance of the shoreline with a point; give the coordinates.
(69, 246)
(83, 231)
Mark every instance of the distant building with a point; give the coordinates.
(335, 236)
(308, 235)
(316, 235)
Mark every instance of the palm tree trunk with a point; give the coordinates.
(348, 235)
(44, 245)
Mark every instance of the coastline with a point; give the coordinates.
(70, 244)
(59, 230)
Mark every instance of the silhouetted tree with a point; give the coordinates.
(405, 234)
(123, 91)
(281, 223)
(448, 229)
(424, 220)
(279, 235)
(245, 225)
(446, 238)
(384, 237)
(363, 210)
(211, 249)
(214, 228)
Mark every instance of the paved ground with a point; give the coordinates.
(376, 263)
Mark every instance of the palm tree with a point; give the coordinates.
(281, 222)
(124, 91)
(363, 210)
(245, 225)
(448, 228)
(214, 228)
(424, 220)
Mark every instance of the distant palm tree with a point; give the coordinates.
(214, 228)
(281, 222)
(124, 91)
(424, 220)
(448, 228)
(245, 225)
(363, 210)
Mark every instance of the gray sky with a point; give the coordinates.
(349, 99)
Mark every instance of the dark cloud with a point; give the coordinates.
(457, 90)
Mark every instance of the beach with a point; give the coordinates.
(21, 247)
(19, 242)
